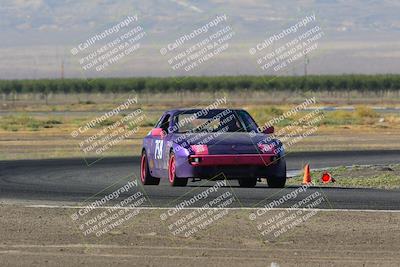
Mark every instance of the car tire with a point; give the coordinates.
(145, 176)
(173, 179)
(276, 176)
(247, 182)
(276, 182)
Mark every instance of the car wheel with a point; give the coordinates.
(276, 182)
(247, 182)
(173, 180)
(145, 176)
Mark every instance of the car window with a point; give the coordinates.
(165, 122)
(212, 121)
(247, 120)
(158, 124)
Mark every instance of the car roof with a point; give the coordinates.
(183, 110)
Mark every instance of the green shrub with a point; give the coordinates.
(314, 83)
(23, 121)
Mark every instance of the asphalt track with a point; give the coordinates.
(72, 181)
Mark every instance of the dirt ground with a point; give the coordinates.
(49, 237)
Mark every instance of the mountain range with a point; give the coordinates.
(37, 35)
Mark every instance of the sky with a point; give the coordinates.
(124, 38)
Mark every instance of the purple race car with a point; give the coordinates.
(211, 144)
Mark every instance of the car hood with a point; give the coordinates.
(223, 138)
(226, 143)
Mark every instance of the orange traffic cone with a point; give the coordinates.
(327, 178)
(307, 175)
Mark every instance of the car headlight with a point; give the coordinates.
(199, 149)
(266, 148)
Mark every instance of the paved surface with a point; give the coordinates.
(72, 181)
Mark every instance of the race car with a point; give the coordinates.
(211, 144)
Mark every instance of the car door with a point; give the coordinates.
(150, 146)
(160, 146)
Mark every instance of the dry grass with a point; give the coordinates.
(25, 135)
(58, 143)
(386, 177)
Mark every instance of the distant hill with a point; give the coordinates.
(36, 34)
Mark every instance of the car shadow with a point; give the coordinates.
(326, 188)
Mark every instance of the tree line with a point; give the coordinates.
(367, 83)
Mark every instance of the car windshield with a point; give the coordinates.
(213, 121)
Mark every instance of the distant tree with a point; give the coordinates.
(6, 88)
(16, 89)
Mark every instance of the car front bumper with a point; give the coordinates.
(232, 160)
(228, 166)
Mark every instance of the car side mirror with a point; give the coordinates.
(269, 130)
(157, 132)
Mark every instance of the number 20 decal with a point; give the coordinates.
(159, 148)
